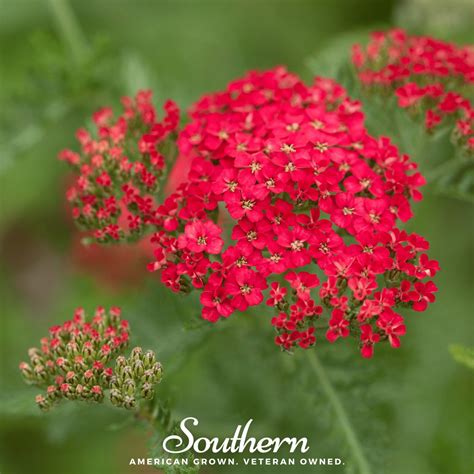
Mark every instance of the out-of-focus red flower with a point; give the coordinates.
(119, 169)
(426, 74)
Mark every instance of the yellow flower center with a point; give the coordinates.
(255, 166)
(287, 148)
(251, 235)
(248, 204)
(317, 124)
(232, 186)
(321, 147)
(297, 245)
(292, 127)
(347, 211)
(375, 218)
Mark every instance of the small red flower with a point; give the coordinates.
(368, 339)
(246, 288)
(202, 237)
(338, 326)
(302, 283)
(392, 325)
(277, 294)
(215, 302)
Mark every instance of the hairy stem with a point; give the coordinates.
(69, 28)
(358, 453)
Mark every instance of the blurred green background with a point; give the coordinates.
(411, 408)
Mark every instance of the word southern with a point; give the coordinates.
(238, 443)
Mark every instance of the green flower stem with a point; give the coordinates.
(361, 461)
(69, 28)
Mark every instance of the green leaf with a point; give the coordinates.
(462, 354)
(160, 416)
(348, 429)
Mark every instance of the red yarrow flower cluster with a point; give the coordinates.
(313, 203)
(427, 75)
(119, 168)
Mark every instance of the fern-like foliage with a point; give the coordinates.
(462, 354)
(347, 397)
(53, 85)
(158, 414)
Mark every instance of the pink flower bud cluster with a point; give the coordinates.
(119, 168)
(428, 76)
(312, 201)
(74, 361)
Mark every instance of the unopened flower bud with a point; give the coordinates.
(40, 373)
(88, 349)
(147, 391)
(67, 391)
(149, 359)
(34, 354)
(129, 402)
(136, 353)
(104, 353)
(115, 312)
(82, 392)
(79, 338)
(62, 363)
(129, 387)
(148, 376)
(114, 382)
(138, 368)
(78, 362)
(26, 371)
(42, 402)
(158, 371)
(36, 359)
(71, 376)
(127, 372)
(97, 393)
(71, 348)
(106, 375)
(89, 376)
(121, 361)
(116, 397)
(52, 392)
